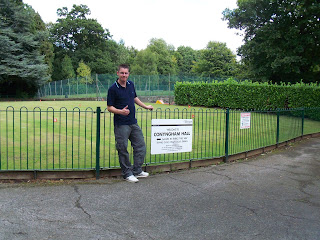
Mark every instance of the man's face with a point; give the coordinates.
(123, 74)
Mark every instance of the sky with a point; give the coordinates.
(190, 23)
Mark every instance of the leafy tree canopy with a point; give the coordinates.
(22, 68)
(145, 63)
(84, 73)
(217, 60)
(74, 30)
(186, 58)
(67, 70)
(281, 38)
(166, 62)
(82, 38)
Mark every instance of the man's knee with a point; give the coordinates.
(121, 147)
(140, 150)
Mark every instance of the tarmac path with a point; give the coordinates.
(272, 196)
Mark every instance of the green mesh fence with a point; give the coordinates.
(97, 85)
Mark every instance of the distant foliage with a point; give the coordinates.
(281, 38)
(22, 67)
(216, 60)
(84, 73)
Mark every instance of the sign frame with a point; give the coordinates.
(171, 136)
(245, 120)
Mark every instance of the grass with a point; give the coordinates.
(62, 134)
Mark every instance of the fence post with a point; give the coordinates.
(98, 144)
(302, 122)
(227, 137)
(97, 88)
(61, 88)
(50, 88)
(149, 86)
(69, 86)
(86, 87)
(278, 127)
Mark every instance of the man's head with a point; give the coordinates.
(125, 66)
(123, 72)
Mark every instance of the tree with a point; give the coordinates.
(46, 47)
(281, 38)
(186, 58)
(46, 50)
(166, 61)
(67, 70)
(145, 63)
(82, 38)
(125, 54)
(133, 52)
(74, 31)
(22, 68)
(216, 61)
(84, 73)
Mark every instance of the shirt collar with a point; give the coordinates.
(118, 85)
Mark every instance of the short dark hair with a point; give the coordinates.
(126, 66)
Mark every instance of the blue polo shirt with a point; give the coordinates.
(119, 97)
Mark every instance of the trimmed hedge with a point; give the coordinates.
(247, 95)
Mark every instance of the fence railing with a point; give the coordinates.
(76, 139)
(96, 86)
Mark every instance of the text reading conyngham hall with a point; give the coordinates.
(171, 136)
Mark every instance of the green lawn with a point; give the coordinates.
(62, 134)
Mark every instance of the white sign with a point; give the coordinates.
(171, 136)
(245, 120)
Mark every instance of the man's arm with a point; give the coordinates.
(141, 104)
(125, 111)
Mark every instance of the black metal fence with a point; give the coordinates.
(76, 139)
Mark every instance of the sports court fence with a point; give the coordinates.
(96, 86)
(80, 139)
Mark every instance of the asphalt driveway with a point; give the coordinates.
(273, 196)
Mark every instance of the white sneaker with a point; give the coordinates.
(142, 174)
(132, 179)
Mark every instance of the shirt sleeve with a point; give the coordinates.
(110, 97)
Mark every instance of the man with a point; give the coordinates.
(121, 101)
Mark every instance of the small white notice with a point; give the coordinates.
(171, 136)
(245, 120)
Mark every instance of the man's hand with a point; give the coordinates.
(149, 107)
(125, 111)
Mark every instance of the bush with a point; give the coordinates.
(247, 95)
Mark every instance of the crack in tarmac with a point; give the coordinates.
(196, 187)
(252, 210)
(215, 173)
(299, 218)
(78, 203)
